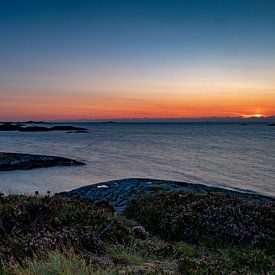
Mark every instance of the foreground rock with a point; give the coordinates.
(13, 161)
(6, 126)
(119, 192)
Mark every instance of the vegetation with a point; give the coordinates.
(214, 219)
(162, 234)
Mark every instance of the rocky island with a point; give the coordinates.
(15, 161)
(7, 126)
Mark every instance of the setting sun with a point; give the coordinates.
(253, 115)
(258, 115)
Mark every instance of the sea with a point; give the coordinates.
(228, 155)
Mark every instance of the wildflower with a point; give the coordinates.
(140, 231)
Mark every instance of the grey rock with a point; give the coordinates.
(15, 161)
(119, 192)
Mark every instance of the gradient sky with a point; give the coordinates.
(64, 59)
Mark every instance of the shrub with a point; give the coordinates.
(33, 225)
(213, 218)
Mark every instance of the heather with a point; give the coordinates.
(215, 219)
(33, 225)
(61, 235)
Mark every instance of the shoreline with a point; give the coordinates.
(119, 192)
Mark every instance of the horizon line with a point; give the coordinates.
(155, 119)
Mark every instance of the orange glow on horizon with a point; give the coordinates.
(142, 89)
(137, 104)
(119, 108)
(156, 93)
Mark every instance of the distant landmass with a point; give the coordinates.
(7, 126)
(267, 119)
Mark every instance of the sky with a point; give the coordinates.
(73, 59)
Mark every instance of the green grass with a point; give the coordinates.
(57, 263)
(123, 259)
(124, 255)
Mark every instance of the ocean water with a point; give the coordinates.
(224, 154)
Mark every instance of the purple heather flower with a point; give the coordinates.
(140, 231)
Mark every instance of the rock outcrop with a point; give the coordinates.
(6, 126)
(14, 161)
(119, 192)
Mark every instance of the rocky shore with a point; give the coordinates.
(119, 192)
(14, 161)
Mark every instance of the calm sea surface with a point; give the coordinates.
(226, 155)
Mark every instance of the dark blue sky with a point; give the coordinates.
(137, 27)
(44, 44)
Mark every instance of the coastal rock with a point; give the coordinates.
(6, 126)
(67, 128)
(34, 122)
(78, 132)
(119, 192)
(14, 161)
